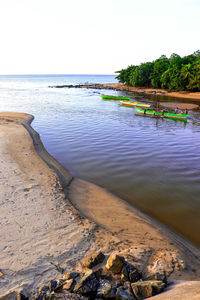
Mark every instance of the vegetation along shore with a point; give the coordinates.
(175, 73)
(176, 76)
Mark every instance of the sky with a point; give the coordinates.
(93, 36)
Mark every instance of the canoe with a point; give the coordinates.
(111, 97)
(134, 104)
(159, 114)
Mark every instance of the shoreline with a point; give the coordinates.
(194, 96)
(93, 224)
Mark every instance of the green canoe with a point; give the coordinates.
(159, 114)
(111, 97)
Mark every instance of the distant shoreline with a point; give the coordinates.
(195, 96)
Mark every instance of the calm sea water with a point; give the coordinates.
(153, 164)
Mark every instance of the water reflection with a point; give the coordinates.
(152, 163)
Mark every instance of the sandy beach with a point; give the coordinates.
(195, 96)
(51, 221)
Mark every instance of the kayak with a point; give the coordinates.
(111, 97)
(134, 104)
(159, 114)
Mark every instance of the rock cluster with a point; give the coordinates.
(111, 278)
(108, 87)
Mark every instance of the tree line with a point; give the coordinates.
(174, 73)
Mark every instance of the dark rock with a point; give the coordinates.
(145, 289)
(114, 263)
(123, 295)
(59, 286)
(130, 273)
(93, 260)
(105, 290)
(42, 291)
(103, 273)
(52, 285)
(87, 285)
(20, 296)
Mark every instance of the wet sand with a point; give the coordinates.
(50, 221)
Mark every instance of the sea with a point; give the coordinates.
(154, 164)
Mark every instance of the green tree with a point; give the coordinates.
(175, 73)
(186, 72)
(160, 66)
(194, 78)
(124, 75)
(140, 76)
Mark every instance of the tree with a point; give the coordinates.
(175, 73)
(140, 76)
(194, 78)
(124, 75)
(160, 66)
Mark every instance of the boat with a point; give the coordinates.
(111, 97)
(160, 114)
(134, 104)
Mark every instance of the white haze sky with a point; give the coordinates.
(93, 36)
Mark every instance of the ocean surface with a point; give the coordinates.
(152, 163)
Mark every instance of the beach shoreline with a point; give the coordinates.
(192, 96)
(195, 96)
(77, 218)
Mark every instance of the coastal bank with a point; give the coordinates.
(51, 221)
(193, 96)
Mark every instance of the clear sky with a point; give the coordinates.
(93, 36)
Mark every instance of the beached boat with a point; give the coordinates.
(134, 104)
(111, 97)
(159, 114)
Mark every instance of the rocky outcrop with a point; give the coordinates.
(116, 87)
(115, 278)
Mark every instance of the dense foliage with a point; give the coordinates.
(174, 73)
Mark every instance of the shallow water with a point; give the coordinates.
(152, 163)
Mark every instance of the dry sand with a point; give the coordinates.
(42, 233)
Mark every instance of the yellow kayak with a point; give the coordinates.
(134, 104)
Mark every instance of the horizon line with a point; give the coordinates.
(58, 74)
